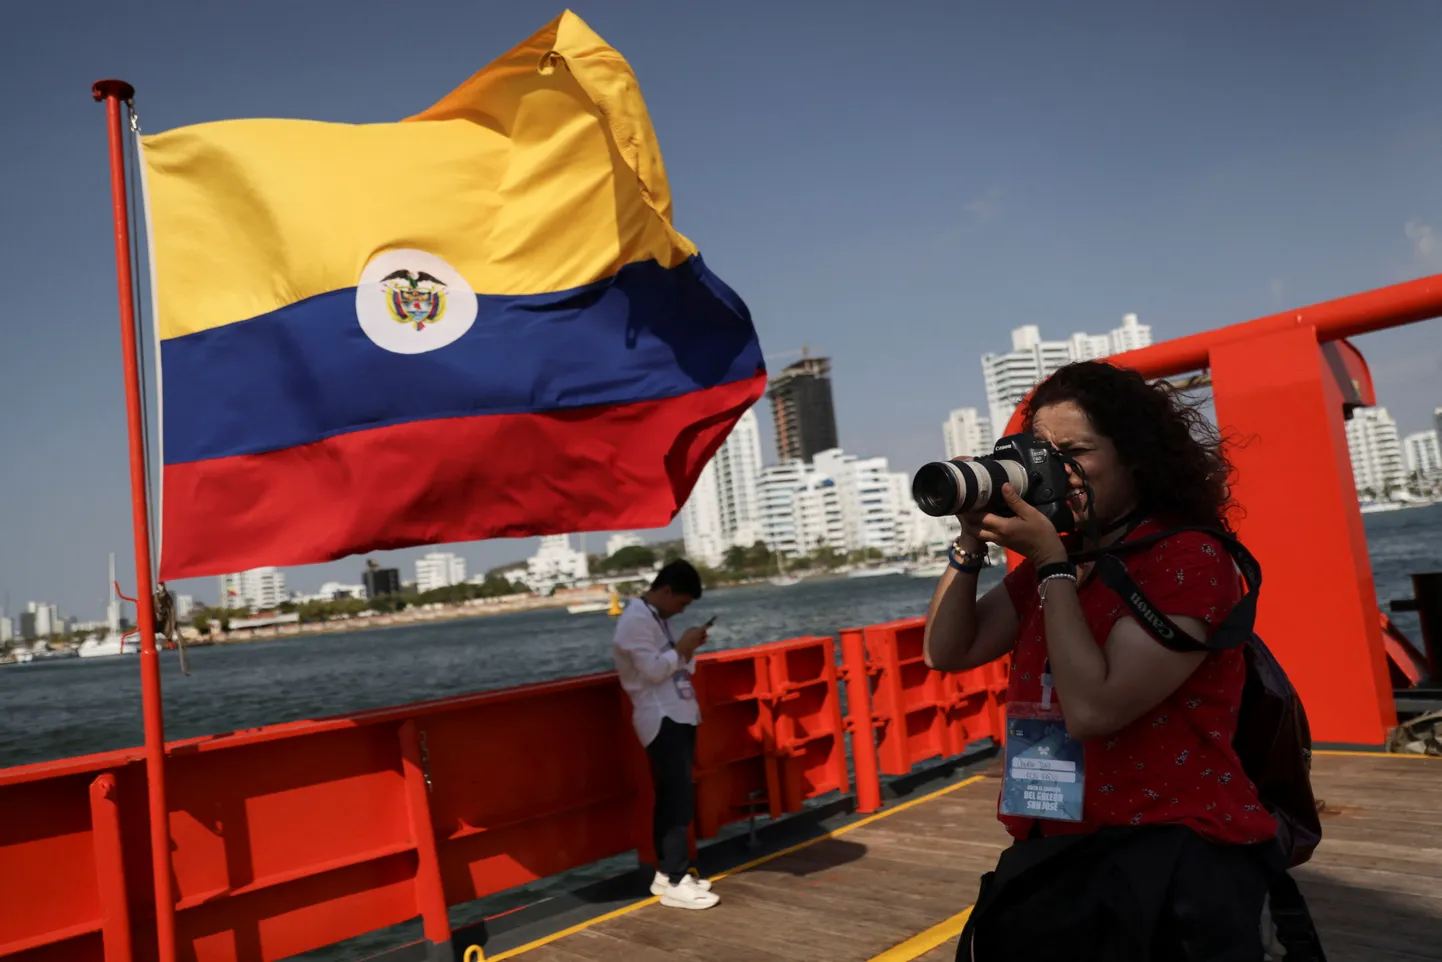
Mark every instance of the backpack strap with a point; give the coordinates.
(1233, 630)
(1295, 928)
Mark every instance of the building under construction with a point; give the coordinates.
(801, 405)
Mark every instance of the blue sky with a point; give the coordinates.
(896, 184)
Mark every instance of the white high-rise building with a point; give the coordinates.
(800, 509)
(47, 620)
(837, 501)
(1377, 466)
(1011, 375)
(336, 590)
(184, 606)
(967, 434)
(555, 564)
(258, 589)
(1424, 454)
(778, 490)
(1088, 347)
(701, 528)
(7, 630)
(439, 569)
(1131, 336)
(723, 510)
(927, 534)
(872, 505)
(622, 540)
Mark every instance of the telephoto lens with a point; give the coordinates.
(943, 488)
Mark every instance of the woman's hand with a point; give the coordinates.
(1029, 534)
(971, 526)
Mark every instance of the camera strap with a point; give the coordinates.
(1233, 630)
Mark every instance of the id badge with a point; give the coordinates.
(1045, 767)
(682, 680)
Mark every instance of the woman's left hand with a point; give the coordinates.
(1029, 534)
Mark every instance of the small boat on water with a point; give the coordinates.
(27, 655)
(612, 607)
(113, 643)
(782, 579)
(1396, 501)
(876, 571)
(930, 570)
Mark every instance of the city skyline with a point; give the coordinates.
(905, 252)
(1381, 457)
(1384, 461)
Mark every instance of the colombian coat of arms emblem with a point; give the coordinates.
(414, 297)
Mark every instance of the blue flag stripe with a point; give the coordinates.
(308, 372)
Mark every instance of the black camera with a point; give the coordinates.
(1035, 468)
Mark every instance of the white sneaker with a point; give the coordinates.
(661, 882)
(687, 894)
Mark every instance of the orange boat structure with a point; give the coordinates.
(260, 845)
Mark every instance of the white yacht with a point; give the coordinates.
(876, 571)
(114, 642)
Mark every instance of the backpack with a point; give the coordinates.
(1273, 740)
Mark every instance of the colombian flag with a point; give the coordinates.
(475, 323)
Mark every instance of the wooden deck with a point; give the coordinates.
(894, 887)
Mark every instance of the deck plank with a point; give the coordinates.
(1374, 885)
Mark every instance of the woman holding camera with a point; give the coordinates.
(1138, 835)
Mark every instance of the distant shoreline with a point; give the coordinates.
(429, 614)
(461, 611)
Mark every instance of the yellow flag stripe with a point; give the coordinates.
(522, 180)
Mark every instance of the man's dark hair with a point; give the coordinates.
(680, 577)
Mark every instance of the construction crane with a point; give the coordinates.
(803, 352)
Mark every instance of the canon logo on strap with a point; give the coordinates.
(1154, 619)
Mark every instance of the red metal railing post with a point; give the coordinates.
(1318, 609)
(113, 93)
(430, 891)
(110, 870)
(770, 719)
(859, 721)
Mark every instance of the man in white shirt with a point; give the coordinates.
(655, 670)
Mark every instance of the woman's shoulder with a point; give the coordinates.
(1177, 543)
(1187, 572)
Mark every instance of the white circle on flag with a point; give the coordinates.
(411, 302)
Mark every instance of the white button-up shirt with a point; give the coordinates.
(654, 675)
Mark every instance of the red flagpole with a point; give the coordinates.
(115, 93)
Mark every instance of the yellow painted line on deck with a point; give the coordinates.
(923, 942)
(1344, 751)
(836, 833)
(548, 939)
(859, 823)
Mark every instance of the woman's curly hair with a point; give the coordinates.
(1175, 454)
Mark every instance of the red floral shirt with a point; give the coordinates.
(1176, 763)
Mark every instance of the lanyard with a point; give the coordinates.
(665, 627)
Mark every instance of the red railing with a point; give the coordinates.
(772, 732)
(291, 837)
(925, 714)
